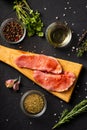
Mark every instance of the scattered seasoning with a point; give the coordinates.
(34, 103)
(13, 31)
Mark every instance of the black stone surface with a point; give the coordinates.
(74, 12)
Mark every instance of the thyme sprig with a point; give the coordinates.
(82, 45)
(66, 115)
(30, 18)
(82, 49)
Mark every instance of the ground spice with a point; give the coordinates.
(13, 31)
(34, 103)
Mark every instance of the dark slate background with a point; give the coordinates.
(74, 12)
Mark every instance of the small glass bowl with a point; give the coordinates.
(58, 34)
(31, 97)
(12, 31)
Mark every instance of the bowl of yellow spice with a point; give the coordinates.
(33, 103)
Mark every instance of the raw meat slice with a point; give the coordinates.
(52, 82)
(39, 62)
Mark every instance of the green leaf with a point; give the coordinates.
(40, 34)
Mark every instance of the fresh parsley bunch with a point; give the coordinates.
(30, 18)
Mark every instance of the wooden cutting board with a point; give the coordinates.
(8, 56)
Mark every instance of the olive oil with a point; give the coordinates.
(58, 34)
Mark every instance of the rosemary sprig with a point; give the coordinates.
(68, 115)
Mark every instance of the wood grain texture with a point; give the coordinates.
(8, 56)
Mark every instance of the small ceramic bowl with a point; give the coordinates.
(58, 34)
(12, 31)
(33, 103)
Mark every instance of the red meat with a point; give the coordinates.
(39, 62)
(52, 82)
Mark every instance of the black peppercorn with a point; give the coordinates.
(12, 31)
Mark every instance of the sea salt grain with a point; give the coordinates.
(86, 83)
(86, 97)
(42, 51)
(30, 123)
(73, 47)
(54, 54)
(78, 35)
(67, 2)
(61, 101)
(73, 24)
(68, 54)
(85, 89)
(64, 15)
(58, 117)
(65, 22)
(56, 121)
(70, 7)
(55, 114)
(7, 120)
(21, 93)
(65, 8)
(57, 17)
(79, 96)
(45, 8)
(62, 105)
(77, 86)
(77, 49)
(34, 46)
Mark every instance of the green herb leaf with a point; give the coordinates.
(67, 116)
(30, 18)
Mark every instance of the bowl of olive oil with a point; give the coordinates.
(58, 34)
